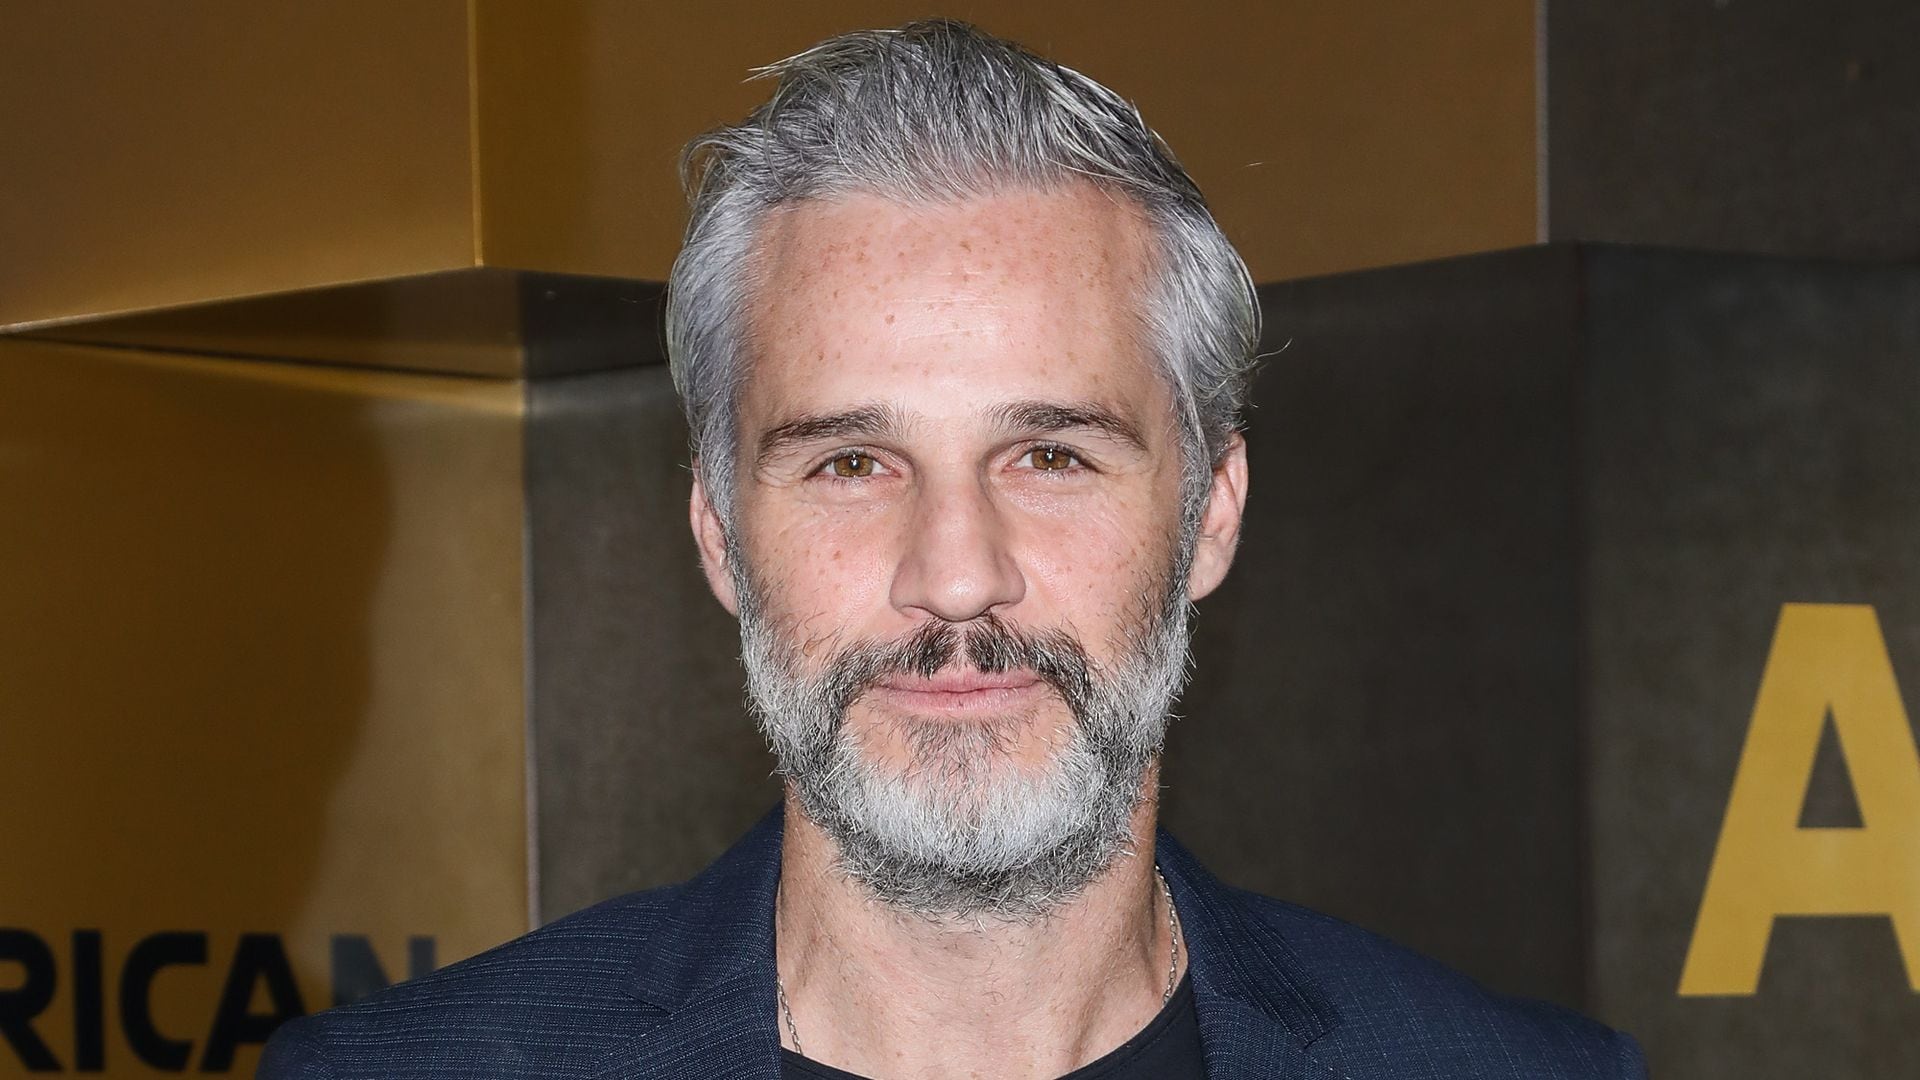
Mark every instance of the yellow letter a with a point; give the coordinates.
(1826, 659)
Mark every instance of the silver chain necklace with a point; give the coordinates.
(1173, 966)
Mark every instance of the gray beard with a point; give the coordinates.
(964, 832)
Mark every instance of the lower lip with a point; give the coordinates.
(986, 699)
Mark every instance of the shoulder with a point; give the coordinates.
(547, 1003)
(1396, 1007)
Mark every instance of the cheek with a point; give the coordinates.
(1093, 564)
(822, 574)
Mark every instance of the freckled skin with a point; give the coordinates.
(942, 313)
(939, 315)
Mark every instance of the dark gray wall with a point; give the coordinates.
(644, 764)
(1751, 437)
(1383, 721)
(1520, 531)
(1739, 125)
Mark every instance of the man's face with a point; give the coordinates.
(958, 507)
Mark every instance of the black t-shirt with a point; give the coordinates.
(1168, 1048)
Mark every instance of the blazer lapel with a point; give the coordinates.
(1243, 1043)
(706, 976)
(727, 1031)
(1259, 1016)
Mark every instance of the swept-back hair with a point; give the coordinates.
(940, 111)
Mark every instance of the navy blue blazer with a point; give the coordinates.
(679, 983)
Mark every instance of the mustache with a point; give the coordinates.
(990, 645)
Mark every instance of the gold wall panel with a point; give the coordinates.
(1329, 135)
(261, 651)
(156, 155)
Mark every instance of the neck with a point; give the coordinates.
(880, 993)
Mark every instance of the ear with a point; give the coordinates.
(1220, 522)
(710, 535)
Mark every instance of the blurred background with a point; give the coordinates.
(349, 624)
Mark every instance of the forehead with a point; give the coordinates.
(1023, 294)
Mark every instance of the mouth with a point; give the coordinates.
(961, 692)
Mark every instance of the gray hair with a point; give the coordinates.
(940, 111)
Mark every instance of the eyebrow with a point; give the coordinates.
(887, 422)
(1051, 416)
(865, 422)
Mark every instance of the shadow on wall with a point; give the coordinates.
(190, 553)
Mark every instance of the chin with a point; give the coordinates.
(967, 831)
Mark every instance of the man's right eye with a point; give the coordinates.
(852, 465)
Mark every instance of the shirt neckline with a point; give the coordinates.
(1121, 1055)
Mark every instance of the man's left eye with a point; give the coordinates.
(851, 465)
(1051, 458)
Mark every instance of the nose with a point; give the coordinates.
(957, 563)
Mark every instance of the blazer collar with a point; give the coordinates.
(716, 927)
(1259, 1013)
(709, 972)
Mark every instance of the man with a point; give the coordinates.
(963, 354)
